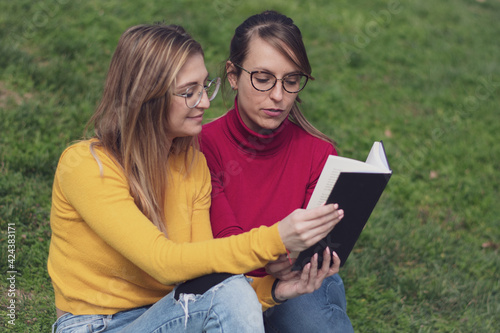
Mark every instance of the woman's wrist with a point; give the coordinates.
(273, 292)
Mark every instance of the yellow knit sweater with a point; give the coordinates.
(106, 256)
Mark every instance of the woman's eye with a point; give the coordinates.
(293, 79)
(262, 80)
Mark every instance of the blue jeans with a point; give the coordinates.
(321, 311)
(230, 306)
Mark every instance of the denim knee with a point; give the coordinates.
(335, 291)
(324, 309)
(236, 305)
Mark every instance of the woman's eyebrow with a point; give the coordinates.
(263, 69)
(192, 83)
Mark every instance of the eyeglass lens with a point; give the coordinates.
(265, 81)
(194, 94)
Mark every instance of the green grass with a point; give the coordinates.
(422, 76)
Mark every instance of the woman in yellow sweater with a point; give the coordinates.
(132, 247)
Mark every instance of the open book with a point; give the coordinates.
(356, 187)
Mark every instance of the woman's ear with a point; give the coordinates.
(231, 75)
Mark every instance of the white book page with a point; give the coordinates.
(375, 163)
(377, 156)
(324, 186)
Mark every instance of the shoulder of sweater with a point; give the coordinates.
(83, 149)
(80, 147)
(302, 137)
(80, 152)
(200, 161)
(191, 163)
(210, 134)
(213, 124)
(81, 159)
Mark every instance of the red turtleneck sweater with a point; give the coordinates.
(259, 179)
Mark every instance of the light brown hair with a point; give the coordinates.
(131, 120)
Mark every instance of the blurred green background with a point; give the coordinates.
(423, 76)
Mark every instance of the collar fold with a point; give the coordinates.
(253, 142)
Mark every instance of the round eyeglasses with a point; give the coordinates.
(194, 93)
(265, 81)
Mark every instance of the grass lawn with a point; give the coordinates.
(422, 76)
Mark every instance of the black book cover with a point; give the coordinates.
(357, 194)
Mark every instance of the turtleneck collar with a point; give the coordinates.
(253, 142)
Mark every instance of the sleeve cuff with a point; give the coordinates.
(273, 295)
(263, 288)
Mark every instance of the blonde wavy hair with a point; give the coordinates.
(131, 121)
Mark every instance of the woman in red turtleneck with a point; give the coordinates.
(258, 179)
(265, 159)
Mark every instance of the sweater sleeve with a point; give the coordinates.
(262, 287)
(200, 222)
(224, 222)
(222, 217)
(106, 206)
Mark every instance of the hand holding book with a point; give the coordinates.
(305, 227)
(309, 279)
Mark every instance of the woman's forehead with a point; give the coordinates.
(267, 55)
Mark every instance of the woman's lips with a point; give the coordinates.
(273, 112)
(200, 116)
